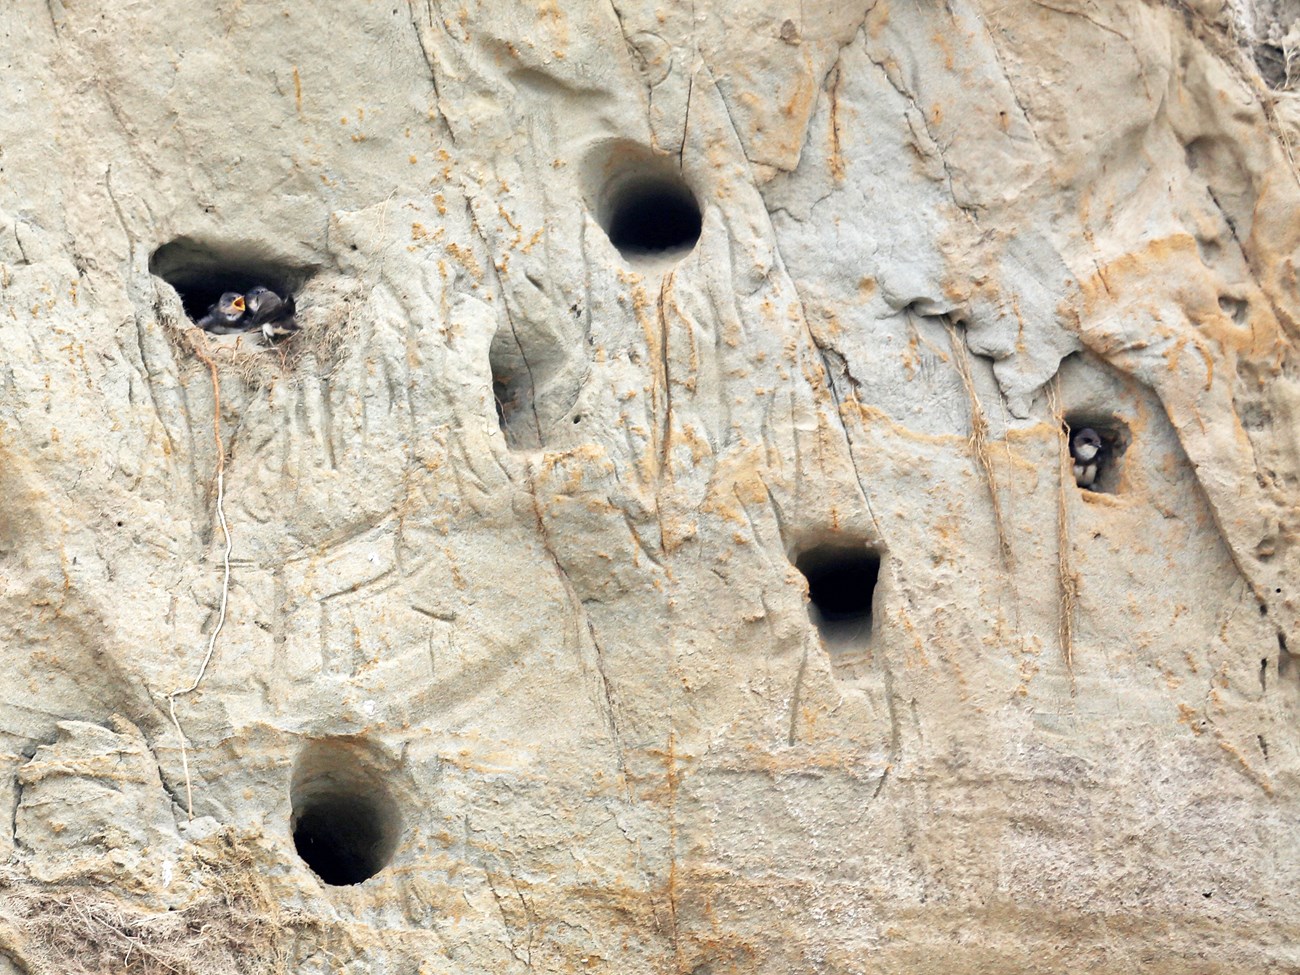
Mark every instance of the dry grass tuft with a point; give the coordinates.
(231, 926)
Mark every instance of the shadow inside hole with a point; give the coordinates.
(345, 823)
(201, 272)
(641, 200)
(653, 215)
(514, 392)
(500, 396)
(1235, 308)
(1115, 440)
(841, 590)
(341, 837)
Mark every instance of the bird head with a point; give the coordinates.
(1086, 443)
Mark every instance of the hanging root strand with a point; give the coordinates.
(979, 438)
(1067, 583)
(225, 581)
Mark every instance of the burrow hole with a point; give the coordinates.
(345, 821)
(653, 215)
(640, 199)
(1115, 440)
(1238, 309)
(842, 579)
(201, 271)
(513, 393)
(537, 372)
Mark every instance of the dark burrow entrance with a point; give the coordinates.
(642, 202)
(513, 392)
(345, 823)
(653, 215)
(201, 272)
(1114, 436)
(841, 588)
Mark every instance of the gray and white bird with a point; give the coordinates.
(271, 313)
(1088, 452)
(227, 316)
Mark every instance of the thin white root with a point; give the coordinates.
(225, 584)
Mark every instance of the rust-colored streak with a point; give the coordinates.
(670, 761)
(837, 153)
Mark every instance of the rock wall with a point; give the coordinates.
(658, 550)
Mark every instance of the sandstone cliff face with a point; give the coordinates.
(518, 628)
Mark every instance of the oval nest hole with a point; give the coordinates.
(202, 272)
(653, 215)
(642, 202)
(842, 580)
(345, 822)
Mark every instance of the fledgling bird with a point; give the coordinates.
(227, 316)
(271, 313)
(1088, 452)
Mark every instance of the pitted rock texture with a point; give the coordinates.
(514, 627)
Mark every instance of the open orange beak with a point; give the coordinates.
(238, 303)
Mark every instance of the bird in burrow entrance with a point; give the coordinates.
(1088, 453)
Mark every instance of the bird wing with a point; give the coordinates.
(267, 305)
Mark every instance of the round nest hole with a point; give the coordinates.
(346, 825)
(641, 201)
(653, 215)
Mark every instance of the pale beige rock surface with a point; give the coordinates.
(557, 672)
